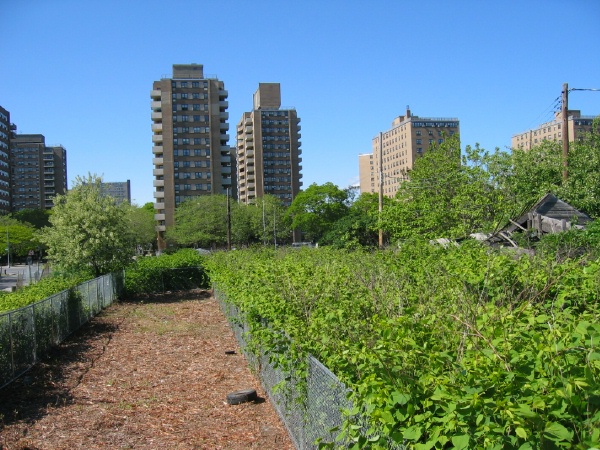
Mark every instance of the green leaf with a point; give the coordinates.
(413, 433)
(461, 441)
(521, 432)
(556, 430)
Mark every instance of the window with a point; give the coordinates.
(183, 84)
(418, 141)
(185, 141)
(197, 141)
(195, 84)
(185, 153)
(418, 132)
(197, 107)
(184, 107)
(440, 141)
(184, 95)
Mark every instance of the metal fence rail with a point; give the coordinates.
(27, 333)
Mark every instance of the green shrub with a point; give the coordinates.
(169, 272)
(38, 291)
(464, 347)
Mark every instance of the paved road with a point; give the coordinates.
(9, 275)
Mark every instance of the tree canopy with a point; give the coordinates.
(315, 210)
(88, 230)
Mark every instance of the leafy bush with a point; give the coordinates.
(464, 347)
(39, 291)
(178, 271)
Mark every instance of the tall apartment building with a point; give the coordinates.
(38, 172)
(6, 131)
(578, 125)
(268, 149)
(119, 190)
(398, 148)
(190, 141)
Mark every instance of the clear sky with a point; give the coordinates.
(80, 71)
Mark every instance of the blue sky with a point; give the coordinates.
(80, 71)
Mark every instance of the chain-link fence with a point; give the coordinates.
(27, 333)
(311, 409)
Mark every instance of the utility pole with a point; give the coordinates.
(565, 130)
(380, 168)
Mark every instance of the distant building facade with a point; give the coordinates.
(191, 155)
(6, 131)
(268, 149)
(409, 138)
(38, 172)
(119, 190)
(578, 125)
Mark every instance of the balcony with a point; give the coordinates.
(224, 115)
(224, 136)
(157, 116)
(225, 169)
(251, 186)
(223, 104)
(156, 106)
(160, 228)
(157, 149)
(223, 126)
(158, 183)
(158, 161)
(226, 181)
(249, 130)
(225, 159)
(249, 153)
(158, 172)
(157, 127)
(155, 94)
(159, 217)
(159, 206)
(157, 138)
(159, 194)
(223, 93)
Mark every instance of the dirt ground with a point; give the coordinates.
(151, 374)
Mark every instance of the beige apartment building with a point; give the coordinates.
(191, 155)
(408, 139)
(578, 125)
(268, 149)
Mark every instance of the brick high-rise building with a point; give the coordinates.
(409, 138)
(552, 131)
(38, 172)
(268, 149)
(6, 130)
(189, 132)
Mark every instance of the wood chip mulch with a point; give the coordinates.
(144, 374)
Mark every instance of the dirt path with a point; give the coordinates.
(142, 375)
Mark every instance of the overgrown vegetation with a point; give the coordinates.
(464, 347)
(179, 271)
(38, 291)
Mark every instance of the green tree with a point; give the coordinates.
(359, 228)
(270, 222)
(88, 231)
(201, 221)
(37, 217)
(19, 236)
(315, 210)
(142, 226)
(448, 195)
